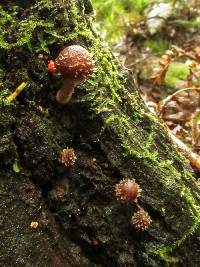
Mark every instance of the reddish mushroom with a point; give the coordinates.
(128, 190)
(75, 64)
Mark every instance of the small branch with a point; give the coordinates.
(17, 91)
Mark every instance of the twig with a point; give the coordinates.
(17, 91)
(164, 102)
(193, 157)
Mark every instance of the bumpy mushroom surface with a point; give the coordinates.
(75, 64)
(141, 220)
(128, 190)
(68, 157)
(74, 61)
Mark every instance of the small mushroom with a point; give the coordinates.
(141, 220)
(128, 190)
(68, 157)
(75, 64)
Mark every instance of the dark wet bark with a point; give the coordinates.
(80, 221)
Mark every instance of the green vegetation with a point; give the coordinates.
(113, 16)
(16, 167)
(176, 75)
(188, 24)
(157, 47)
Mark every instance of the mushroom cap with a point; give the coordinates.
(128, 190)
(75, 61)
(141, 220)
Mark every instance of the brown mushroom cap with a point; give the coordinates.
(75, 61)
(141, 220)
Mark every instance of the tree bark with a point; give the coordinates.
(80, 220)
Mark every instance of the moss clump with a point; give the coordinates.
(176, 75)
(157, 47)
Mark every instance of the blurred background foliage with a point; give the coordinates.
(114, 17)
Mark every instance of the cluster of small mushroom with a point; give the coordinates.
(67, 157)
(75, 64)
(129, 190)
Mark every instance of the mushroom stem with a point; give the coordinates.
(64, 95)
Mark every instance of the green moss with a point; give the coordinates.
(24, 30)
(171, 173)
(113, 16)
(194, 210)
(157, 47)
(16, 167)
(4, 92)
(176, 74)
(192, 23)
(164, 253)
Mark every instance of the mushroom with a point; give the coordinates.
(141, 220)
(68, 157)
(128, 190)
(75, 64)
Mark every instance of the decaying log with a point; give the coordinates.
(54, 215)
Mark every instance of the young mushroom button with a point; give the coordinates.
(75, 64)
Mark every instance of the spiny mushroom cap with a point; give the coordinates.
(67, 157)
(141, 220)
(75, 61)
(128, 190)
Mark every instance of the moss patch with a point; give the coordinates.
(176, 74)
